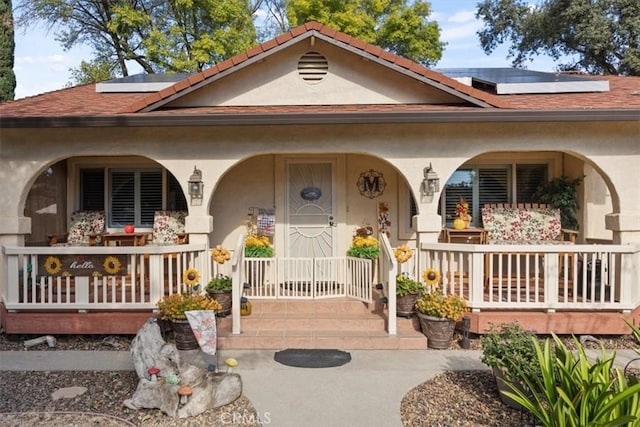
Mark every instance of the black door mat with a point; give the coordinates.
(312, 358)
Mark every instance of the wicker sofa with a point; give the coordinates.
(524, 224)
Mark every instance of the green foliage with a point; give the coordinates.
(407, 286)
(170, 36)
(561, 193)
(603, 34)
(573, 391)
(92, 72)
(510, 349)
(399, 26)
(221, 283)
(7, 51)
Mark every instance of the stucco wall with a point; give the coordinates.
(350, 80)
(25, 153)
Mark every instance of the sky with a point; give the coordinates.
(41, 65)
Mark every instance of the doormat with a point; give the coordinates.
(312, 358)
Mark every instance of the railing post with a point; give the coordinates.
(13, 282)
(477, 277)
(389, 265)
(237, 264)
(156, 281)
(551, 280)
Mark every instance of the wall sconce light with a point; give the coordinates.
(196, 186)
(430, 184)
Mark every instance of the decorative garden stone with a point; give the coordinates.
(209, 390)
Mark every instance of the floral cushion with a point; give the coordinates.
(522, 225)
(85, 227)
(168, 226)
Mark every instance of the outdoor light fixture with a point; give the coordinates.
(196, 186)
(430, 184)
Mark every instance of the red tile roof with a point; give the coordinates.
(83, 101)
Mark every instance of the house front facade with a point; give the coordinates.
(310, 137)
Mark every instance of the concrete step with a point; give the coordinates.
(318, 324)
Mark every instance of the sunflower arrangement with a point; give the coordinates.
(403, 253)
(435, 303)
(364, 247)
(220, 254)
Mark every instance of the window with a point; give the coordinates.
(133, 194)
(480, 185)
(92, 189)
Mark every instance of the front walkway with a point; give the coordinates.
(364, 392)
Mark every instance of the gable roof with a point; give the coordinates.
(78, 105)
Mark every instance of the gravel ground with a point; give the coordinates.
(464, 398)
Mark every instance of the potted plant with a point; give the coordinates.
(509, 350)
(364, 247)
(437, 312)
(172, 309)
(561, 193)
(219, 288)
(258, 246)
(407, 293)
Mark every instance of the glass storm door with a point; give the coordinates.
(310, 211)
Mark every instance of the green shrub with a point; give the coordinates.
(510, 349)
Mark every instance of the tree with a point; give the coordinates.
(604, 35)
(157, 35)
(391, 24)
(91, 72)
(7, 50)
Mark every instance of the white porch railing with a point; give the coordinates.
(294, 278)
(535, 277)
(307, 278)
(152, 272)
(388, 272)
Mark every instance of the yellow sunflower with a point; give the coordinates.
(53, 265)
(431, 276)
(111, 265)
(191, 277)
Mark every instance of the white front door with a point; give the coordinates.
(310, 218)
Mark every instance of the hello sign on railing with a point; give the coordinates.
(84, 265)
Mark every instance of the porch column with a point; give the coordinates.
(625, 227)
(199, 226)
(428, 227)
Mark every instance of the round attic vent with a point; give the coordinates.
(312, 67)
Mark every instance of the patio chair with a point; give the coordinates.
(85, 229)
(168, 228)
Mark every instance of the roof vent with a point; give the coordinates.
(312, 67)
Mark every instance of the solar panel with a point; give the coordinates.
(140, 83)
(516, 80)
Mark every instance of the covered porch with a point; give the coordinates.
(547, 288)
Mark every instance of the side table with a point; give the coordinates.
(473, 235)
